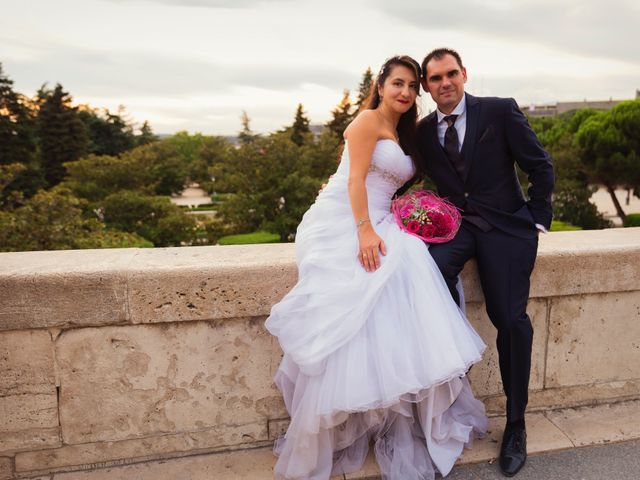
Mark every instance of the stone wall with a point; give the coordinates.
(125, 355)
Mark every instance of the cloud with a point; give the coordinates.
(100, 72)
(235, 4)
(586, 27)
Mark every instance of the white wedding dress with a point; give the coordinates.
(371, 356)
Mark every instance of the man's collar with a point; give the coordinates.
(459, 110)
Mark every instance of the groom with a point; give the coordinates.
(470, 146)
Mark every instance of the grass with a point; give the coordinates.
(558, 226)
(249, 238)
(633, 220)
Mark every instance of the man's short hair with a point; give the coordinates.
(439, 54)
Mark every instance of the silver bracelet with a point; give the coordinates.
(361, 222)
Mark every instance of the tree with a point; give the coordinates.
(16, 125)
(18, 141)
(572, 192)
(364, 89)
(146, 135)
(109, 134)
(53, 220)
(300, 127)
(342, 115)
(154, 218)
(96, 176)
(246, 135)
(609, 144)
(571, 204)
(322, 156)
(62, 134)
(267, 184)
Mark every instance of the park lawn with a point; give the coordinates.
(633, 220)
(558, 226)
(249, 238)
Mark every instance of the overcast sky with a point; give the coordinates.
(196, 64)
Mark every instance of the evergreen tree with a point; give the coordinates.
(342, 115)
(246, 135)
(16, 126)
(18, 142)
(109, 134)
(364, 88)
(146, 134)
(300, 127)
(61, 133)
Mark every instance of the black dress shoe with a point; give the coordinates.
(513, 452)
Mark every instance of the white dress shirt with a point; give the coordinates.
(460, 125)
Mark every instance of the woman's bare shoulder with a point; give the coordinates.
(366, 123)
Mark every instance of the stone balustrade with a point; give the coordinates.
(127, 355)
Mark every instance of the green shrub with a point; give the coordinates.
(633, 220)
(559, 226)
(250, 238)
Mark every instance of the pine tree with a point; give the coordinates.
(17, 144)
(146, 134)
(300, 127)
(62, 134)
(364, 88)
(342, 115)
(16, 125)
(246, 135)
(109, 133)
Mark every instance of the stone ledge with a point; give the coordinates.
(555, 430)
(128, 286)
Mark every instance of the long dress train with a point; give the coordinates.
(371, 356)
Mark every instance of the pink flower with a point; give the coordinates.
(406, 210)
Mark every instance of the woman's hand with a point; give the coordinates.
(371, 246)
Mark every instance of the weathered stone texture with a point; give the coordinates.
(6, 468)
(573, 396)
(600, 424)
(81, 287)
(32, 439)
(28, 401)
(104, 454)
(126, 382)
(208, 283)
(594, 338)
(485, 376)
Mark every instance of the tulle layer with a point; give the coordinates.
(371, 356)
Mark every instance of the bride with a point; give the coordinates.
(375, 349)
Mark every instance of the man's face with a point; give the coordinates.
(445, 82)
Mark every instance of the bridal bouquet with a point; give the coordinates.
(425, 215)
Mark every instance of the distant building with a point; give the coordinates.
(549, 110)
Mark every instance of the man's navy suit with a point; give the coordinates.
(504, 240)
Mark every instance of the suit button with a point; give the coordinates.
(466, 194)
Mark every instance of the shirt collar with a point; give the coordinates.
(459, 110)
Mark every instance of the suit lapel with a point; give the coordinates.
(469, 144)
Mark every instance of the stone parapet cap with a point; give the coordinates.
(73, 288)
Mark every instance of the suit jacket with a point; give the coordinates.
(497, 137)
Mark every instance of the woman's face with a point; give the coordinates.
(399, 90)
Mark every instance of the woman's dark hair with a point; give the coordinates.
(408, 120)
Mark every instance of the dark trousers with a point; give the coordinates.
(505, 263)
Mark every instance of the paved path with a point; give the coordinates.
(618, 461)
